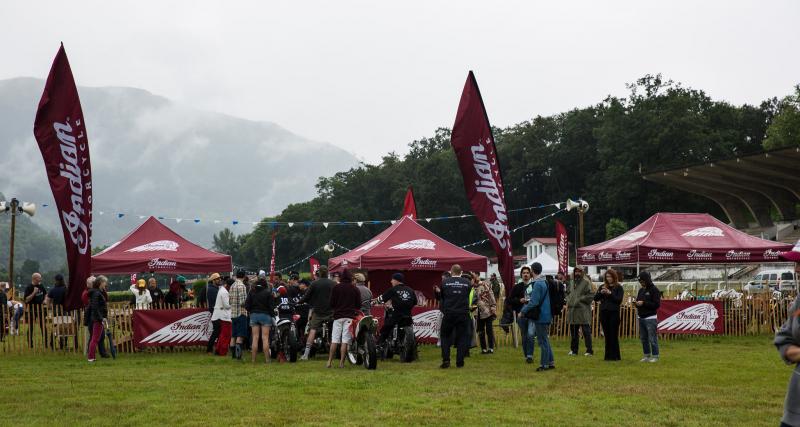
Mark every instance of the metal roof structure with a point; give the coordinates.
(753, 184)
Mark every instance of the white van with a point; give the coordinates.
(782, 280)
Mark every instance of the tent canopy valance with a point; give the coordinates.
(682, 238)
(153, 247)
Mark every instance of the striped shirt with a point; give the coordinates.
(237, 298)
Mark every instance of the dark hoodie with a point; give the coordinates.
(345, 298)
(650, 295)
(260, 299)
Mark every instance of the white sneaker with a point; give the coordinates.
(572, 353)
(645, 359)
(91, 360)
(587, 354)
(653, 359)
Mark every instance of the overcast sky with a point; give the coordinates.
(370, 77)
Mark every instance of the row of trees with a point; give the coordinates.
(597, 152)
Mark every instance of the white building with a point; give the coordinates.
(539, 245)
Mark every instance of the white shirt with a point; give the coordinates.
(222, 307)
(143, 300)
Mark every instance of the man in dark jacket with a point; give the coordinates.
(319, 296)
(403, 300)
(454, 303)
(212, 289)
(647, 302)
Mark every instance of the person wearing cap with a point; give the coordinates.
(403, 299)
(454, 303)
(237, 298)
(787, 342)
(366, 293)
(538, 296)
(647, 302)
(345, 304)
(318, 296)
(55, 297)
(212, 289)
(580, 295)
(142, 298)
(222, 313)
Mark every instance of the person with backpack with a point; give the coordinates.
(539, 313)
(647, 302)
(579, 311)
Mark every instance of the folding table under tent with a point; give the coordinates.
(682, 238)
(153, 247)
(412, 249)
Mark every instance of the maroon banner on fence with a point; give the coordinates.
(562, 248)
(60, 130)
(473, 143)
(426, 322)
(154, 328)
(691, 317)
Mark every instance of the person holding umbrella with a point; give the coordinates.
(787, 340)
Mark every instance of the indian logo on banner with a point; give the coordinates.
(690, 317)
(171, 327)
(629, 237)
(161, 245)
(704, 232)
(162, 264)
(416, 244)
(562, 249)
(427, 322)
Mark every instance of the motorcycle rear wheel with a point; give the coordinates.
(291, 348)
(370, 354)
(408, 347)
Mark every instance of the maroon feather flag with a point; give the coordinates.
(562, 248)
(475, 150)
(409, 207)
(60, 130)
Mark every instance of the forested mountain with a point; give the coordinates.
(35, 249)
(597, 152)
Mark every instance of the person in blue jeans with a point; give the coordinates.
(647, 302)
(514, 303)
(539, 327)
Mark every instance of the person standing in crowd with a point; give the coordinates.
(212, 289)
(99, 313)
(403, 300)
(156, 294)
(537, 311)
(237, 298)
(496, 285)
(366, 294)
(345, 304)
(514, 303)
(579, 311)
(454, 303)
(34, 298)
(487, 313)
(4, 306)
(175, 296)
(222, 313)
(142, 298)
(87, 319)
(787, 341)
(647, 302)
(260, 304)
(610, 296)
(303, 309)
(319, 296)
(55, 298)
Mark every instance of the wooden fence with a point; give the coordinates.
(40, 329)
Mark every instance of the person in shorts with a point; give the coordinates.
(318, 296)
(346, 305)
(260, 304)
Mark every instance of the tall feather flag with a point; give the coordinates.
(409, 206)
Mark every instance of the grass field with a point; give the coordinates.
(699, 381)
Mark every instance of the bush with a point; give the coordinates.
(119, 296)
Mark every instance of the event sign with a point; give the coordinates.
(60, 131)
(182, 327)
(691, 317)
(475, 150)
(426, 322)
(562, 248)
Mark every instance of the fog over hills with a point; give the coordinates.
(151, 156)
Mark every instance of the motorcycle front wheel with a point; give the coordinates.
(370, 352)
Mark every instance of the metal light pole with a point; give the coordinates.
(15, 209)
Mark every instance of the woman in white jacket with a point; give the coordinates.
(142, 295)
(222, 312)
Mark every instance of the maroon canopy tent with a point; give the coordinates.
(154, 247)
(682, 238)
(412, 249)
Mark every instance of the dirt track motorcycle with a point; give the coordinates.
(322, 339)
(285, 339)
(401, 341)
(363, 349)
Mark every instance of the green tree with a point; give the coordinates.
(615, 227)
(784, 131)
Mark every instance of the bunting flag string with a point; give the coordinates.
(298, 262)
(480, 242)
(121, 213)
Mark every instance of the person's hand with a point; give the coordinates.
(639, 303)
(436, 288)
